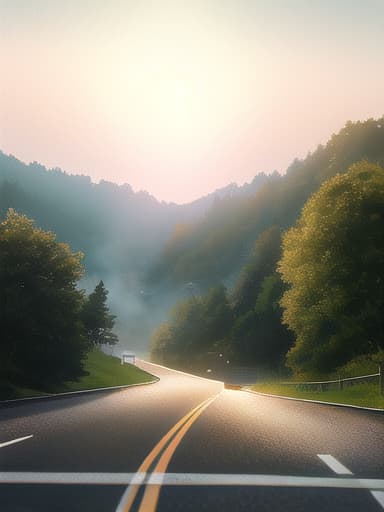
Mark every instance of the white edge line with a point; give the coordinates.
(351, 406)
(191, 479)
(336, 466)
(79, 392)
(14, 441)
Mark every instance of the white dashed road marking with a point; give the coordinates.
(14, 441)
(338, 468)
(335, 465)
(379, 496)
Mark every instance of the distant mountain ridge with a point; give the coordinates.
(121, 232)
(12, 169)
(52, 197)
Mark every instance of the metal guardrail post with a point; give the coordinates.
(381, 378)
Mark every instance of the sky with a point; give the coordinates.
(180, 98)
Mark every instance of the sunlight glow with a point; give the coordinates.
(171, 94)
(195, 94)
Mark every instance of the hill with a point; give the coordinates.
(121, 232)
(212, 250)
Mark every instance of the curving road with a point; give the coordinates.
(185, 443)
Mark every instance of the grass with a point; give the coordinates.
(365, 395)
(103, 371)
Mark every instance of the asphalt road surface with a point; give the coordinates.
(188, 444)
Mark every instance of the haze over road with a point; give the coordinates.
(229, 451)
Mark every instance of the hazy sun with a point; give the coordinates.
(172, 94)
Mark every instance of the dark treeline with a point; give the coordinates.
(47, 323)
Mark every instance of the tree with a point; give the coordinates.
(333, 262)
(97, 320)
(218, 316)
(266, 253)
(197, 327)
(161, 342)
(258, 336)
(42, 339)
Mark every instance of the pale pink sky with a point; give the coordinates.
(180, 98)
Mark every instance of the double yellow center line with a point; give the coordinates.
(158, 459)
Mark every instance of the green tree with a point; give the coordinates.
(333, 262)
(258, 336)
(42, 339)
(266, 253)
(161, 343)
(97, 320)
(197, 326)
(218, 316)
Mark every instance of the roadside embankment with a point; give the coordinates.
(103, 371)
(363, 395)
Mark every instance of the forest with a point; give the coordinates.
(306, 312)
(261, 274)
(48, 324)
(120, 232)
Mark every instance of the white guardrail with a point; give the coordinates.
(339, 384)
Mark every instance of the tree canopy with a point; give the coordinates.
(333, 263)
(41, 332)
(197, 326)
(219, 244)
(97, 320)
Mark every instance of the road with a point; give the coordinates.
(188, 444)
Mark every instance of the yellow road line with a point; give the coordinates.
(130, 494)
(151, 494)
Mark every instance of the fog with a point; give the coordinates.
(122, 235)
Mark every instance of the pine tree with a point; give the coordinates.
(97, 320)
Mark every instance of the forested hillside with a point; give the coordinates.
(213, 249)
(240, 243)
(152, 254)
(120, 232)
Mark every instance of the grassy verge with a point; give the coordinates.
(104, 371)
(365, 395)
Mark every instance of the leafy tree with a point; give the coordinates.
(218, 315)
(219, 243)
(333, 262)
(197, 327)
(97, 320)
(244, 338)
(266, 253)
(187, 328)
(161, 343)
(42, 339)
(258, 335)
